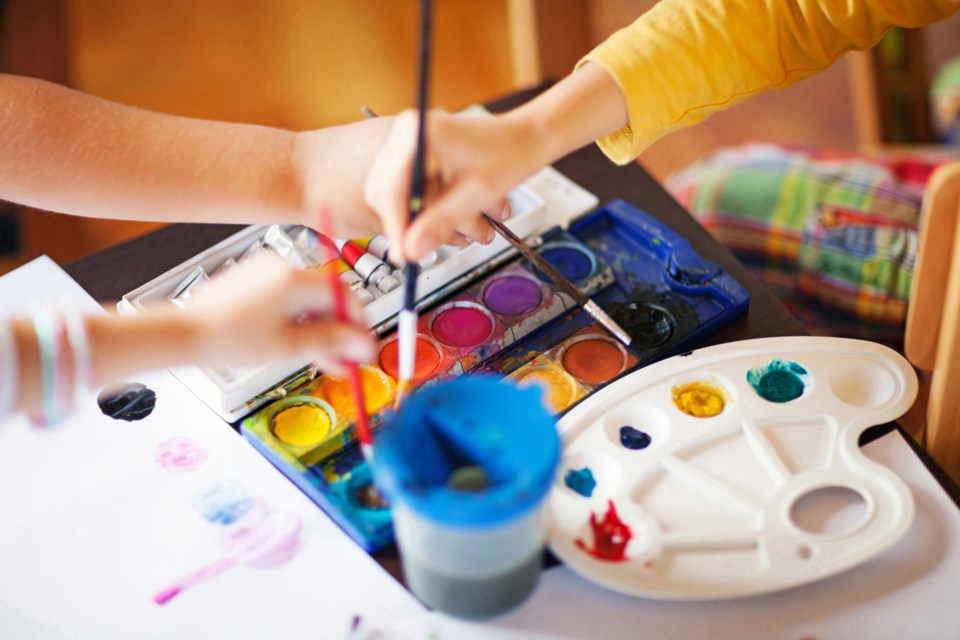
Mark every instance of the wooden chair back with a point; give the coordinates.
(932, 340)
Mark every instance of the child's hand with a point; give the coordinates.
(471, 165)
(264, 310)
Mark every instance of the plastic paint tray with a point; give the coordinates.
(735, 504)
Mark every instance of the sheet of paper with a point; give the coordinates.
(100, 515)
(909, 591)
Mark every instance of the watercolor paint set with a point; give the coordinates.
(732, 471)
(233, 392)
(509, 322)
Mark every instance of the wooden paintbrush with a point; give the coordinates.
(562, 283)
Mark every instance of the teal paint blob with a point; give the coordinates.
(780, 381)
(581, 481)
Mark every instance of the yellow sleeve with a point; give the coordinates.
(685, 59)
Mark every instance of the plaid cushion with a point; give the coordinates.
(833, 236)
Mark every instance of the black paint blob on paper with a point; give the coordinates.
(127, 401)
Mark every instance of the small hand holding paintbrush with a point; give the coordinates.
(538, 261)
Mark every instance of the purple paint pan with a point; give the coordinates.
(513, 295)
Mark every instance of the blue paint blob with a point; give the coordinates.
(573, 263)
(780, 381)
(634, 438)
(581, 481)
(224, 504)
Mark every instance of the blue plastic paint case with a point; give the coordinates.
(641, 272)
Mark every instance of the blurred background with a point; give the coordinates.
(304, 64)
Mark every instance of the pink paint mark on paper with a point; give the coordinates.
(262, 539)
(610, 536)
(180, 454)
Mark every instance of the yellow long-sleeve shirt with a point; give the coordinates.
(685, 59)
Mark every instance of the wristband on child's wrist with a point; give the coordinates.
(65, 364)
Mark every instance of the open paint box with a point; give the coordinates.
(510, 323)
(233, 392)
(732, 471)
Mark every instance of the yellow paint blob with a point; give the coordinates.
(558, 390)
(378, 391)
(301, 424)
(699, 399)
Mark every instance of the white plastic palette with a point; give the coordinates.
(721, 507)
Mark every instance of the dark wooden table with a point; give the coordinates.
(109, 274)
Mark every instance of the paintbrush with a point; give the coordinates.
(562, 283)
(407, 321)
(353, 369)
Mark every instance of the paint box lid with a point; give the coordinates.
(473, 426)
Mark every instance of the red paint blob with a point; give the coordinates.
(610, 536)
(426, 359)
(462, 326)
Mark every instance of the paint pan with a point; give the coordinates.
(513, 295)
(462, 325)
(301, 422)
(649, 324)
(521, 300)
(341, 484)
(672, 499)
(558, 388)
(430, 360)
(378, 392)
(574, 262)
(593, 359)
(466, 331)
(573, 369)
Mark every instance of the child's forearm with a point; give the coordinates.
(118, 347)
(62, 150)
(584, 106)
(65, 151)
